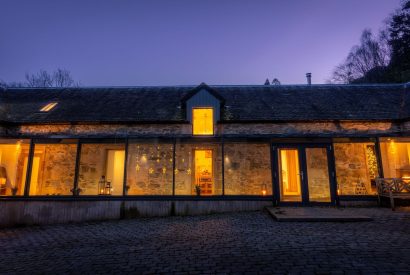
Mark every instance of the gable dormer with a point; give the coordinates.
(203, 109)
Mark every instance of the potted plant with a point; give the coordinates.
(198, 190)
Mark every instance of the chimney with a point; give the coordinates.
(309, 78)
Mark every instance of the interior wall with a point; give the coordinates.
(247, 169)
(356, 168)
(55, 170)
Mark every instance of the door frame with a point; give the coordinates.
(301, 147)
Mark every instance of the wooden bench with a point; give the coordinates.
(393, 188)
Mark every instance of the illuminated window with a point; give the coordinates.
(48, 107)
(13, 166)
(53, 168)
(202, 121)
(101, 169)
(395, 157)
(356, 168)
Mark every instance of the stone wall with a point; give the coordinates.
(290, 129)
(247, 169)
(318, 174)
(149, 169)
(355, 168)
(185, 167)
(55, 171)
(93, 164)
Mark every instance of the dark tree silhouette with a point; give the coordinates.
(43, 79)
(267, 82)
(275, 81)
(59, 78)
(371, 54)
(399, 40)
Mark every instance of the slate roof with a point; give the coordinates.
(241, 103)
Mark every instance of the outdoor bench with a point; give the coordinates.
(393, 188)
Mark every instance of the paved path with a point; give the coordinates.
(226, 243)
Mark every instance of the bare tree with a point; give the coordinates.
(372, 54)
(43, 79)
(62, 78)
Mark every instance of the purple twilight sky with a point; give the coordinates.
(183, 42)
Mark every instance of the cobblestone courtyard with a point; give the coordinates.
(226, 243)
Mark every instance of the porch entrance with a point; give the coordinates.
(204, 171)
(304, 174)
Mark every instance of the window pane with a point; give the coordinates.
(202, 120)
(198, 167)
(101, 169)
(396, 157)
(53, 169)
(289, 175)
(356, 168)
(13, 166)
(247, 169)
(318, 174)
(149, 168)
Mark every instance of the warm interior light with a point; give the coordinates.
(48, 107)
(203, 121)
(204, 171)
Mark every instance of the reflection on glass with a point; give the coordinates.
(53, 169)
(101, 169)
(318, 174)
(13, 166)
(289, 175)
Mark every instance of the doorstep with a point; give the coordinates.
(315, 214)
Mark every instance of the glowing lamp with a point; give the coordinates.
(3, 175)
(264, 189)
(108, 188)
(101, 185)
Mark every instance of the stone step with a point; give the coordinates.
(315, 214)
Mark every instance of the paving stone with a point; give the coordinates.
(239, 243)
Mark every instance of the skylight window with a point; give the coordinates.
(48, 107)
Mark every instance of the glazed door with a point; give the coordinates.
(290, 175)
(204, 171)
(304, 174)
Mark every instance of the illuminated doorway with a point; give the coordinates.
(305, 174)
(204, 171)
(289, 175)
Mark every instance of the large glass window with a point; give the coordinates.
(53, 168)
(13, 166)
(356, 168)
(395, 157)
(198, 169)
(101, 169)
(203, 121)
(247, 169)
(149, 168)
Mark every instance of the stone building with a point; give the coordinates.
(98, 153)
